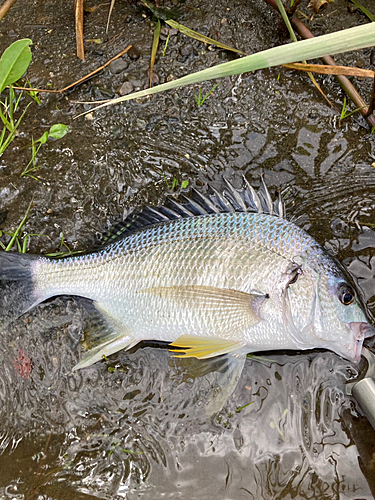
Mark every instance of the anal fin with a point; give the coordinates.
(191, 346)
(103, 336)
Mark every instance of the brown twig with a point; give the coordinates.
(331, 70)
(5, 7)
(81, 80)
(78, 11)
(345, 84)
(371, 106)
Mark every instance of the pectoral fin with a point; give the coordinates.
(224, 312)
(203, 347)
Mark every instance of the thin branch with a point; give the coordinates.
(81, 80)
(78, 11)
(372, 100)
(5, 7)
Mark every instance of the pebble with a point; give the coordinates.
(118, 66)
(126, 88)
(134, 53)
(186, 50)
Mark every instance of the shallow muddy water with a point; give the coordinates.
(138, 425)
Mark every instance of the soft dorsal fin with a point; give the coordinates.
(225, 199)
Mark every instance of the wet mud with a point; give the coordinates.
(137, 425)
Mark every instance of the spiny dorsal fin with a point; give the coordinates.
(226, 199)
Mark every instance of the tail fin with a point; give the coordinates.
(17, 291)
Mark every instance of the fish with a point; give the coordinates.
(221, 273)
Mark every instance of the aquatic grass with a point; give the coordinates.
(56, 131)
(364, 10)
(155, 45)
(240, 408)
(201, 38)
(22, 241)
(198, 97)
(344, 113)
(166, 45)
(342, 41)
(15, 235)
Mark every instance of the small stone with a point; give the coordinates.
(118, 66)
(134, 53)
(360, 63)
(164, 32)
(186, 50)
(155, 78)
(50, 211)
(136, 83)
(141, 123)
(89, 116)
(126, 88)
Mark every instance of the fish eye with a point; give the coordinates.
(346, 294)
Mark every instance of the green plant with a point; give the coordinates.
(345, 114)
(346, 40)
(13, 64)
(57, 131)
(198, 98)
(166, 45)
(172, 187)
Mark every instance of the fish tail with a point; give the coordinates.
(18, 293)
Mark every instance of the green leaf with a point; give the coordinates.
(58, 130)
(43, 139)
(14, 62)
(202, 38)
(184, 184)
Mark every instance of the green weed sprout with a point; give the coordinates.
(57, 131)
(198, 98)
(344, 113)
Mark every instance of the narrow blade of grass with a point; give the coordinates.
(198, 36)
(155, 45)
(334, 43)
(364, 10)
(18, 230)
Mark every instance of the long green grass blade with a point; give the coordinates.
(198, 36)
(350, 39)
(364, 10)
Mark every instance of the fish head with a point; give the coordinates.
(333, 315)
(345, 322)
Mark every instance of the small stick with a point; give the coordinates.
(5, 7)
(372, 100)
(80, 80)
(331, 70)
(78, 11)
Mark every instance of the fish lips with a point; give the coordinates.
(360, 330)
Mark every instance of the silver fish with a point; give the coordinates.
(221, 273)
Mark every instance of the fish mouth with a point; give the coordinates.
(361, 330)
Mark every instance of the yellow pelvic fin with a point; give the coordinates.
(203, 347)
